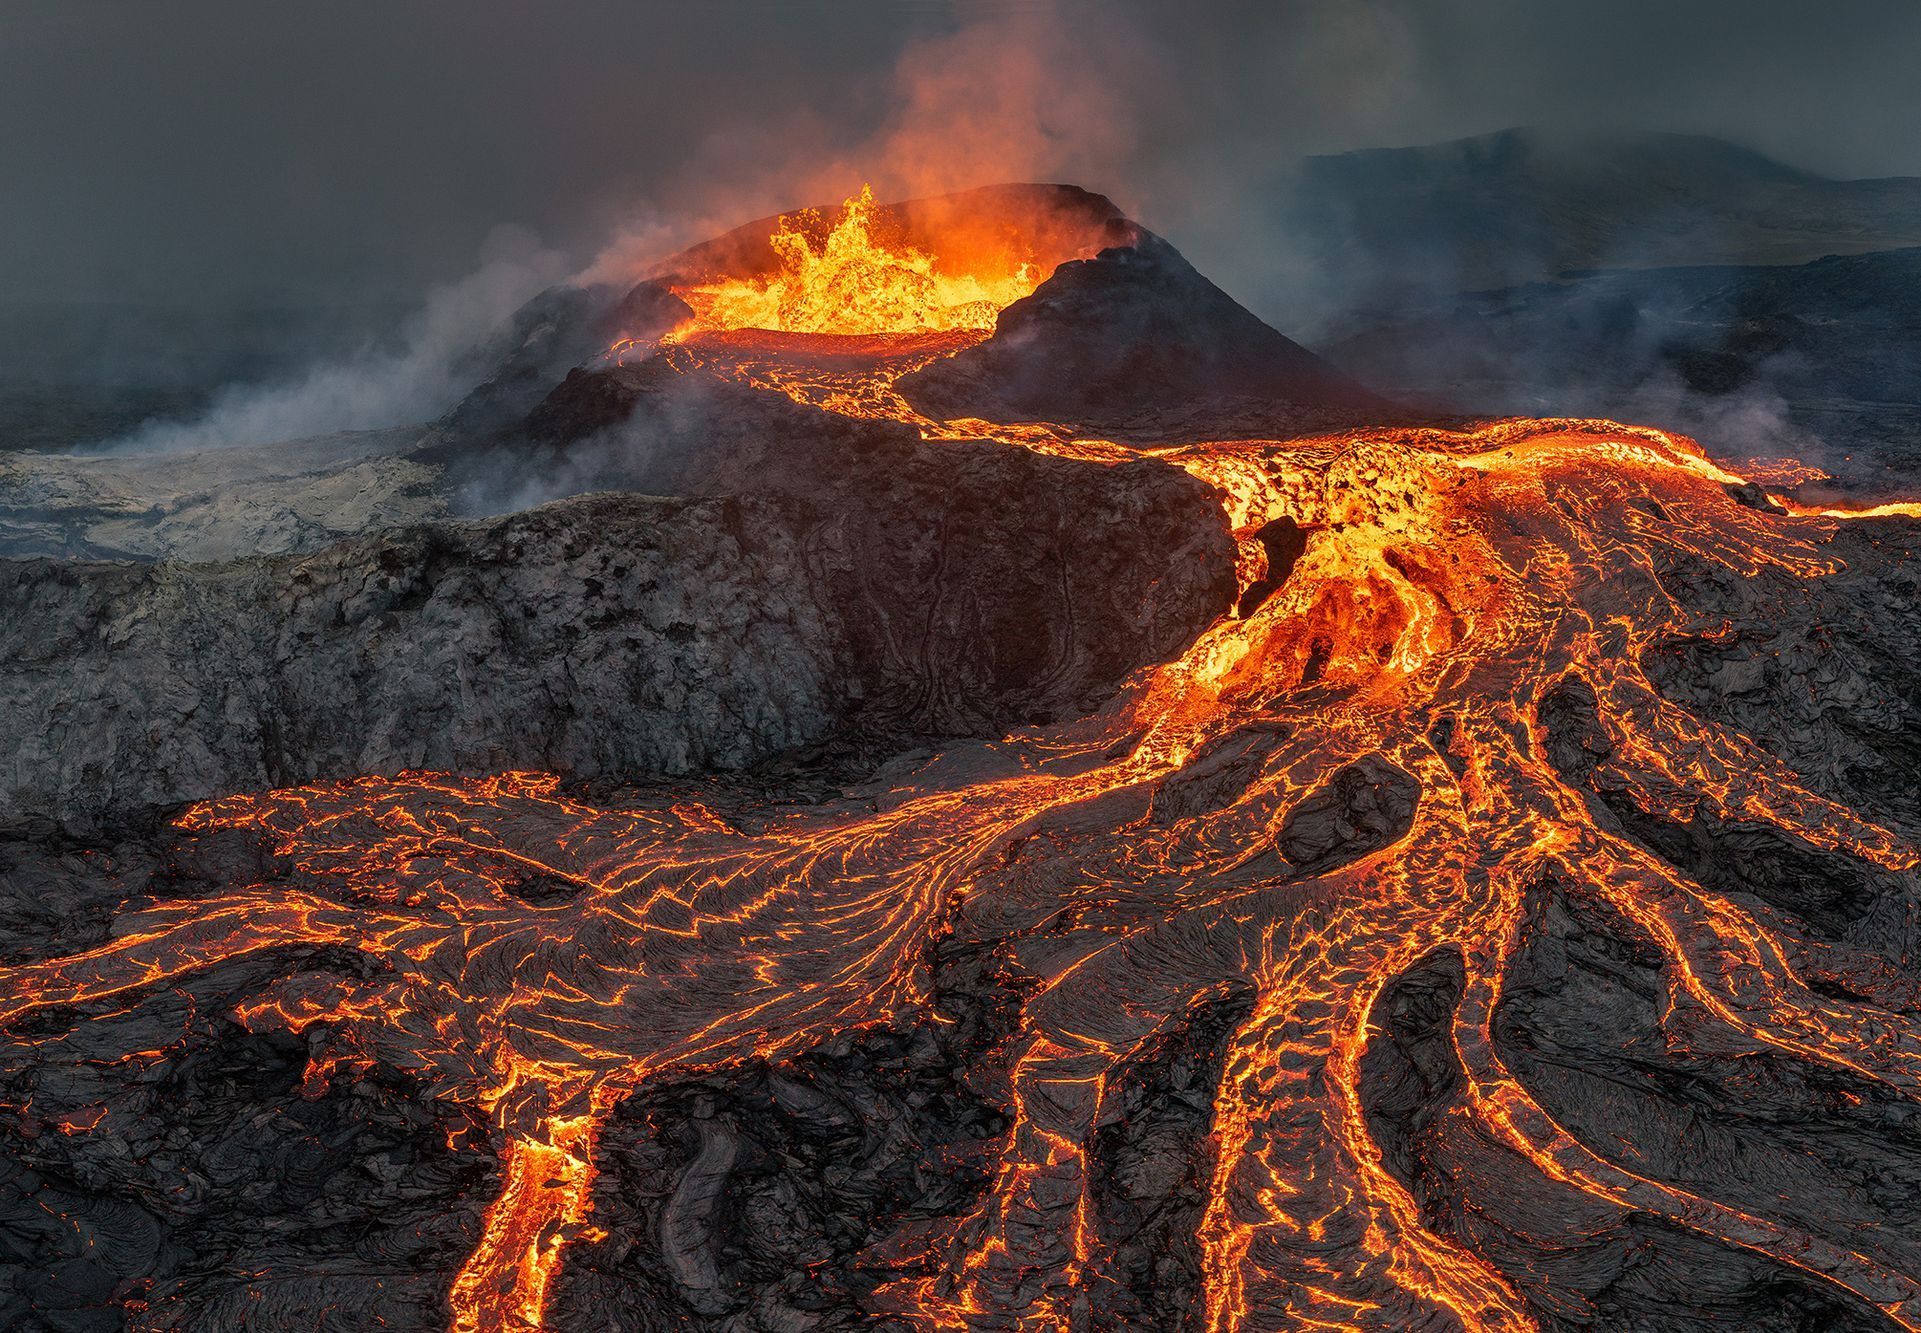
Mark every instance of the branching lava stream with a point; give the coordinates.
(1447, 583)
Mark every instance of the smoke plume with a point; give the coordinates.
(438, 359)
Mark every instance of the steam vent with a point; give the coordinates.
(916, 766)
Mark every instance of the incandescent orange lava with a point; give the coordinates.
(856, 281)
(1447, 582)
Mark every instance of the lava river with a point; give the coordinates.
(1134, 864)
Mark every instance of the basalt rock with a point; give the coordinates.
(913, 591)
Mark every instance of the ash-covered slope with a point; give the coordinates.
(1134, 341)
(560, 329)
(214, 504)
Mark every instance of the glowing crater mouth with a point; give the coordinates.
(861, 277)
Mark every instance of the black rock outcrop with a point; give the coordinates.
(1131, 341)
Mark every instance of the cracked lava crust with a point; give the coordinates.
(1432, 728)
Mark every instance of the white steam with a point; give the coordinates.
(427, 374)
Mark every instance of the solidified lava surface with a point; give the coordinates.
(1500, 915)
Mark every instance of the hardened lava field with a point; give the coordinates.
(1498, 917)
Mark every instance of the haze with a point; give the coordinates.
(208, 153)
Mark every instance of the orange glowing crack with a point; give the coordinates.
(1452, 576)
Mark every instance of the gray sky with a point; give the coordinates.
(224, 150)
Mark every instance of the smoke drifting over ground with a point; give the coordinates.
(439, 357)
(648, 452)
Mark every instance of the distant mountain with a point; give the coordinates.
(1822, 358)
(1527, 205)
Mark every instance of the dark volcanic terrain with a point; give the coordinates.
(1529, 205)
(866, 582)
(1072, 816)
(1679, 281)
(1819, 360)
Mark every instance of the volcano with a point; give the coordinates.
(992, 790)
(1056, 309)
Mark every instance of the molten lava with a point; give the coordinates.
(856, 280)
(1448, 581)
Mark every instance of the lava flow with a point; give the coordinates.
(1134, 864)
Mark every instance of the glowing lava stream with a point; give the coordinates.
(1130, 863)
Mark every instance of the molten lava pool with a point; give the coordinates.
(859, 280)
